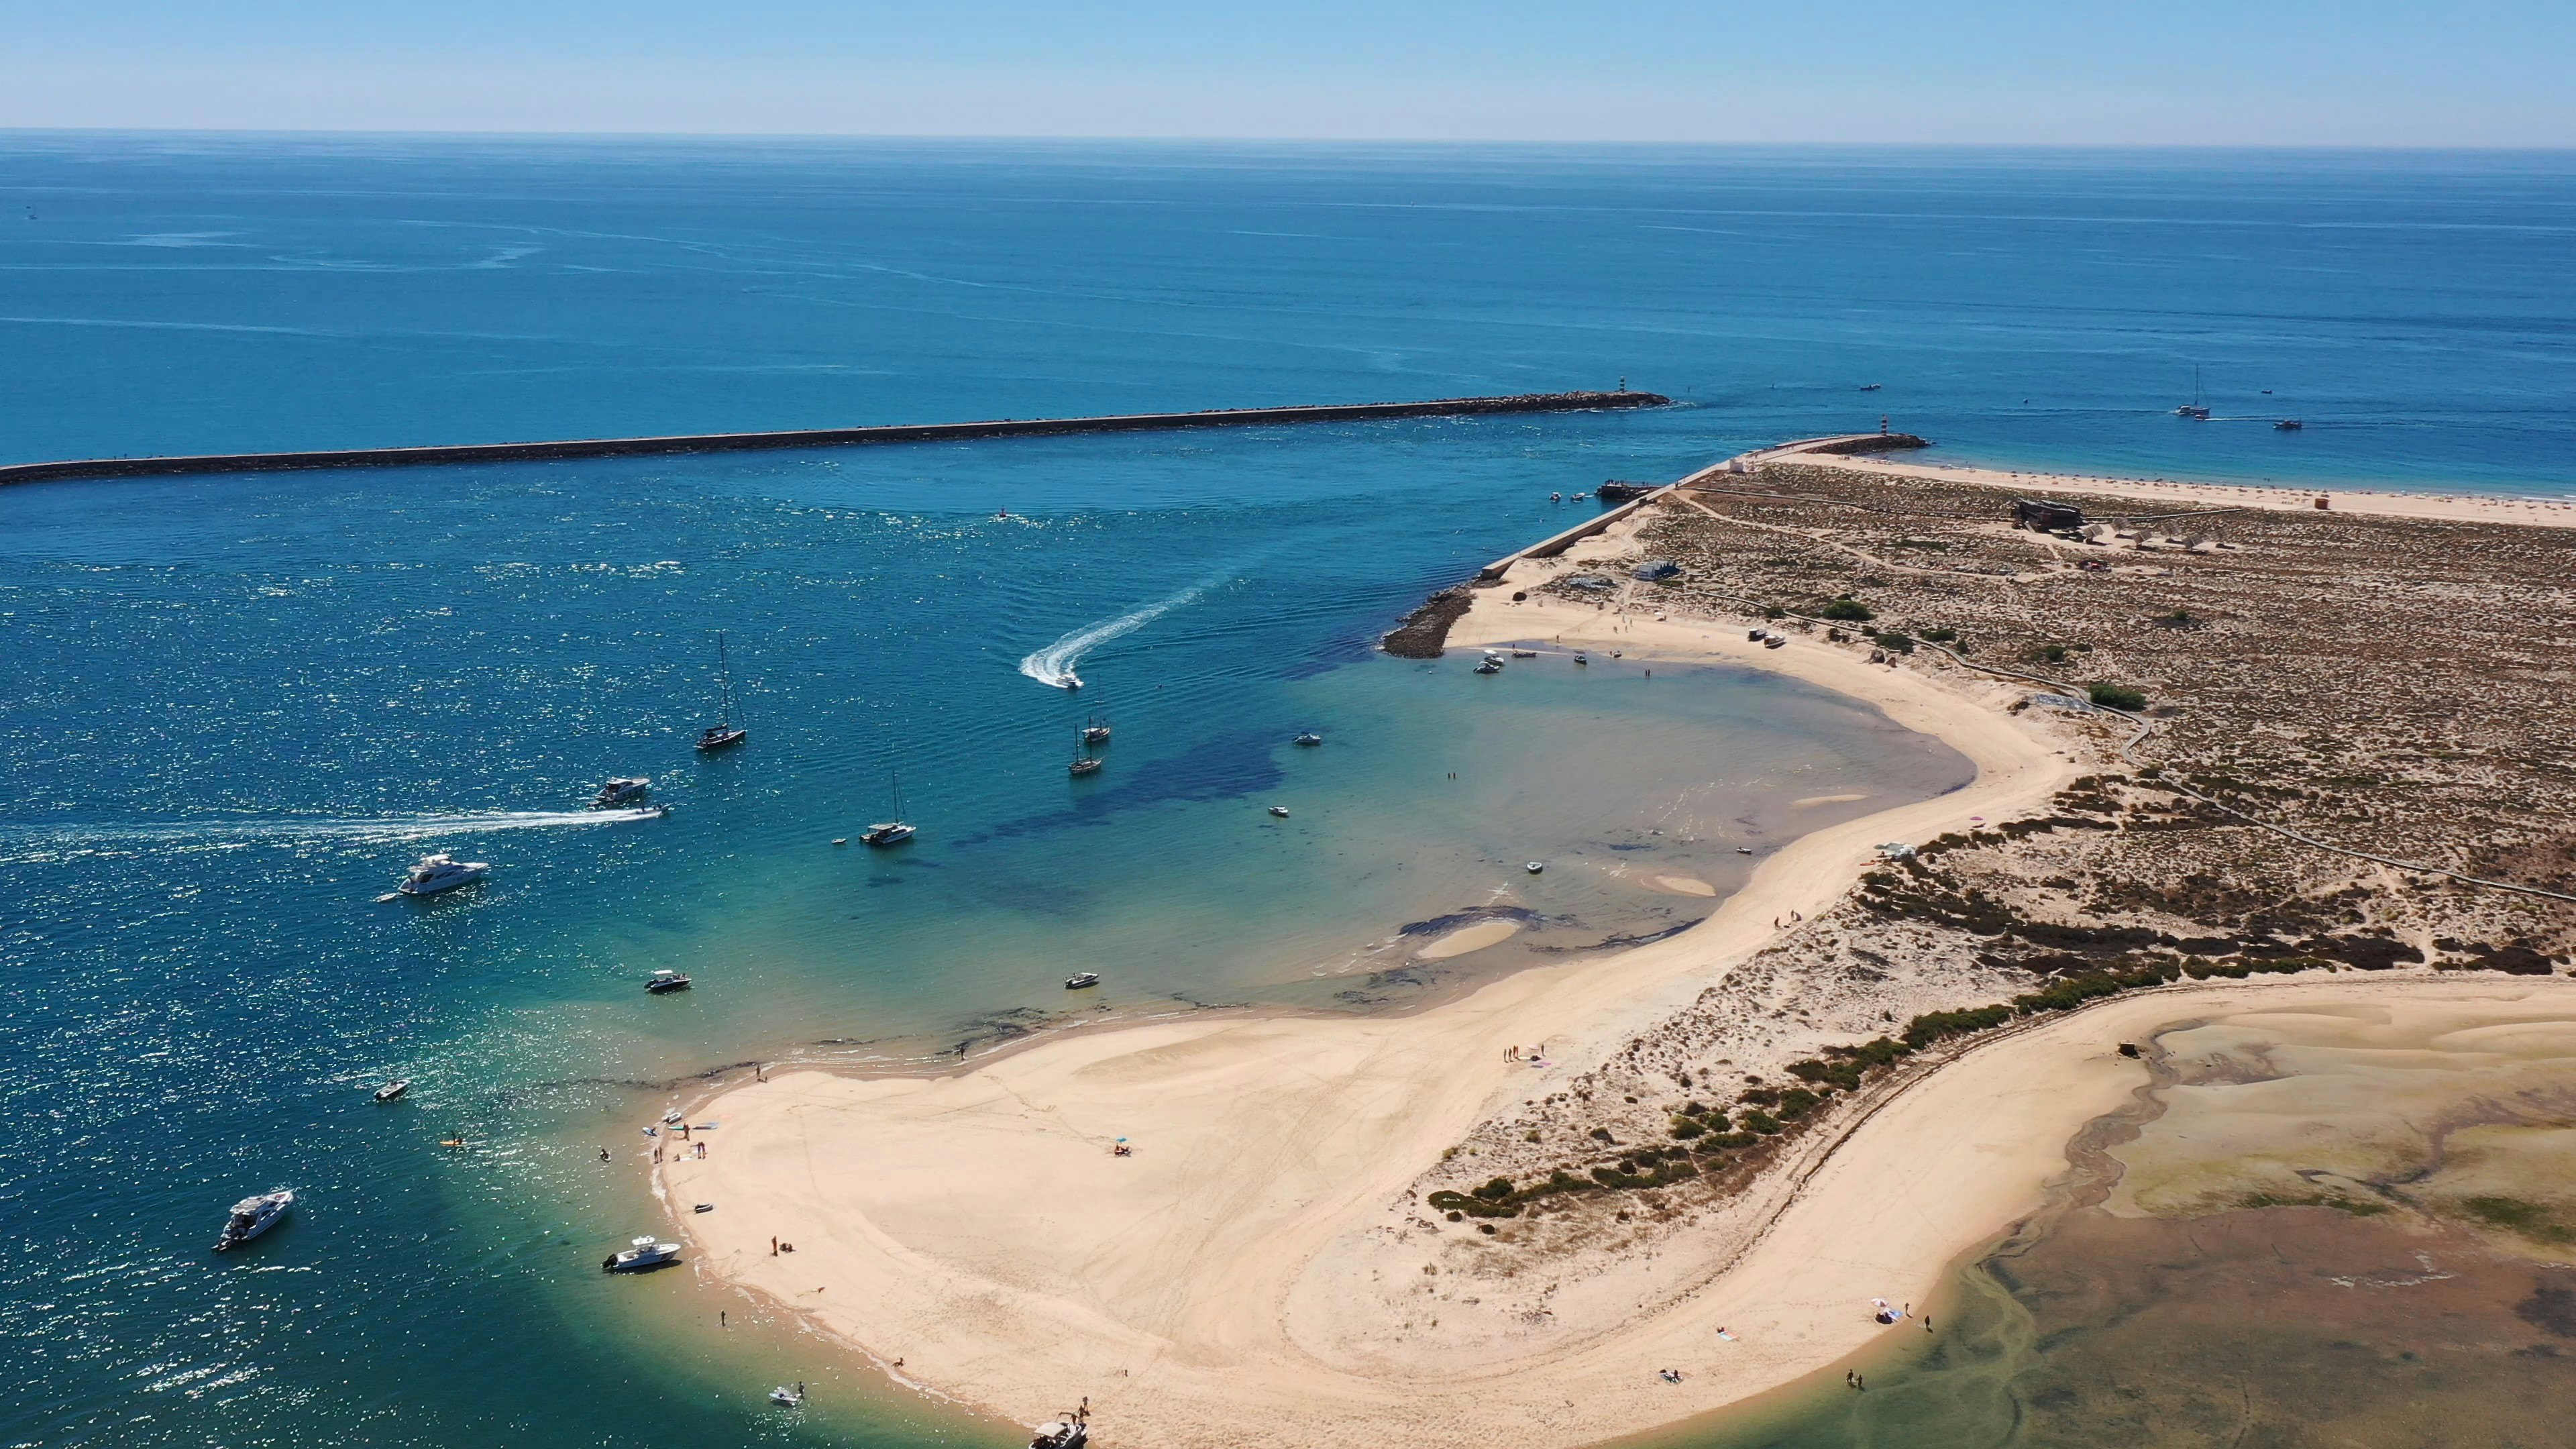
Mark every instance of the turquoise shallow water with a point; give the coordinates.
(235, 709)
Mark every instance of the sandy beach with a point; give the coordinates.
(1258, 1269)
(2443, 507)
(979, 1227)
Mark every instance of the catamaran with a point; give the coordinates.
(724, 732)
(2194, 409)
(891, 832)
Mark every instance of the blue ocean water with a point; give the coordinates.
(232, 710)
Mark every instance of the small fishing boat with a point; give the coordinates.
(1582, 658)
(1309, 738)
(393, 1091)
(644, 1256)
(1081, 979)
(437, 873)
(724, 733)
(786, 1397)
(621, 791)
(1871, 386)
(1068, 1430)
(1489, 666)
(890, 832)
(1279, 810)
(1084, 763)
(662, 981)
(1535, 866)
(2288, 425)
(253, 1216)
(1096, 732)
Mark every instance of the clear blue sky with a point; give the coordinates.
(2296, 72)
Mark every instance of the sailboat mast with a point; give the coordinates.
(724, 683)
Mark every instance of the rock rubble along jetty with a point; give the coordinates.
(1542, 402)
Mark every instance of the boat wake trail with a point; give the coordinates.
(43, 842)
(1053, 665)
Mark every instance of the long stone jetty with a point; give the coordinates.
(1542, 402)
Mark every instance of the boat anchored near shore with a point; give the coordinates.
(643, 1256)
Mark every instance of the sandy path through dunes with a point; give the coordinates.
(2451, 507)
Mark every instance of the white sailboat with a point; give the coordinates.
(724, 733)
(895, 831)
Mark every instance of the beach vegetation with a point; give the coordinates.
(1762, 1096)
(1847, 609)
(1941, 636)
(1893, 642)
(2051, 653)
(2117, 696)
(1496, 1190)
(1685, 1128)
(1729, 1141)
(2530, 1219)
(1774, 611)
(1762, 1122)
(1933, 1026)
(1797, 1102)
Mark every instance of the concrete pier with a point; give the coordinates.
(1546, 402)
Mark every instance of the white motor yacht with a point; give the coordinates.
(644, 1256)
(1069, 1430)
(253, 1216)
(621, 792)
(437, 873)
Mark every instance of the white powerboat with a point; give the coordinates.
(1081, 979)
(662, 981)
(1068, 1430)
(437, 873)
(1490, 666)
(1309, 738)
(643, 1257)
(620, 792)
(253, 1216)
(786, 1397)
(1280, 811)
(393, 1091)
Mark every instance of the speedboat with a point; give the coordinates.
(2288, 425)
(618, 792)
(253, 1216)
(661, 981)
(393, 1091)
(643, 1257)
(1535, 866)
(437, 873)
(1582, 658)
(1071, 681)
(1309, 737)
(1081, 979)
(1490, 666)
(1068, 1430)
(785, 1397)
(1279, 810)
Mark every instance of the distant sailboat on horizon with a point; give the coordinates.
(724, 733)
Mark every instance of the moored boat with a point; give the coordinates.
(1309, 738)
(662, 981)
(1096, 732)
(895, 831)
(1084, 762)
(253, 1216)
(644, 1256)
(786, 1397)
(1081, 979)
(724, 733)
(1068, 1430)
(437, 873)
